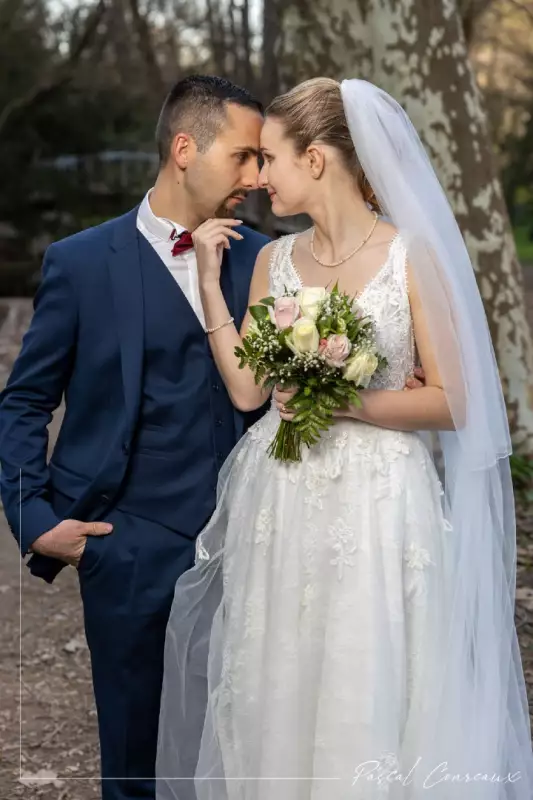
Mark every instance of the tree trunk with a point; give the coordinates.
(247, 71)
(234, 42)
(417, 52)
(217, 38)
(146, 47)
(270, 85)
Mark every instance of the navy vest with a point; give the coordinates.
(186, 426)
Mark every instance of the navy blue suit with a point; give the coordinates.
(148, 424)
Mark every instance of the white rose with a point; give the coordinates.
(310, 300)
(304, 337)
(360, 368)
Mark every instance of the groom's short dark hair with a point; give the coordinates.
(197, 105)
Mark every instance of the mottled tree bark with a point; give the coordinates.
(417, 51)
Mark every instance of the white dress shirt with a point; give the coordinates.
(158, 232)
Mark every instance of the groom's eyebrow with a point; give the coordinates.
(251, 150)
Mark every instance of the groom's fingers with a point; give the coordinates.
(226, 221)
(87, 529)
(96, 528)
(67, 540)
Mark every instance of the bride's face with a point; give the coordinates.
(285, 174)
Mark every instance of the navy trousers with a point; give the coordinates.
(126, 611)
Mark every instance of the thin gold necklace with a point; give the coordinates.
(359, 246)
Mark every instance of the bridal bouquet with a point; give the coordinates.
(319, 342)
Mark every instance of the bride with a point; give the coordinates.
(347, 630)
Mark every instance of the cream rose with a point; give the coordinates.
(304, 337)
(285, 312)
(310, 300)
(360, 368)
(336, 350)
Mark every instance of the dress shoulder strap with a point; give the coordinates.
(280, 273)
(399, 266)
(399, 263)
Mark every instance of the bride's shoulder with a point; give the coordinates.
(386, 232)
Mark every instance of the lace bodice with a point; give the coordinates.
(385, 299)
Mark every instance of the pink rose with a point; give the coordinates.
(285, 312)
(337, 350)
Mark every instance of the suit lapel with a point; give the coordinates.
(126, 285)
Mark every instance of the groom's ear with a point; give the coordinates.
(183, 150)
(316, 161)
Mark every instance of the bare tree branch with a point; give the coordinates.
(64, 73)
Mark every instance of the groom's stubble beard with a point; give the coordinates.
(225, 211)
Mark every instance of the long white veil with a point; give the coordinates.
(481, 720)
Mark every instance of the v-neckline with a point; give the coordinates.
(369, 283)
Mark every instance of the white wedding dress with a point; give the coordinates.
(327, 629)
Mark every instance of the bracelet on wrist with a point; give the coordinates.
(219, 327)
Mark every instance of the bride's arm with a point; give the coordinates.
(420, 409)
(242, 389)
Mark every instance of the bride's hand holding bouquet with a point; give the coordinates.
(319, 342)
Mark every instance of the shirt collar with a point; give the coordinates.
(157, 226)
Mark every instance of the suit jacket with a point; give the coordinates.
(85, 342)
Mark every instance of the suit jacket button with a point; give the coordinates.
(125, 448)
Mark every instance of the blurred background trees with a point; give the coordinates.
(82, 81)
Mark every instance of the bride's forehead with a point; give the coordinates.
(272, 133)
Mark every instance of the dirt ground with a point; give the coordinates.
(48, 732)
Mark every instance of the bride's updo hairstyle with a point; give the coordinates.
(313, 112)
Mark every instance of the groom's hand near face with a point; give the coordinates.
(67, 540)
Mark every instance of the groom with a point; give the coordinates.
(118, 329)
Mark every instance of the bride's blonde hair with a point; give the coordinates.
(313, 111)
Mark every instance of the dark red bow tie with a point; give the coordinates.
(182, 242)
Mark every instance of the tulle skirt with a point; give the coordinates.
(305, 650)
